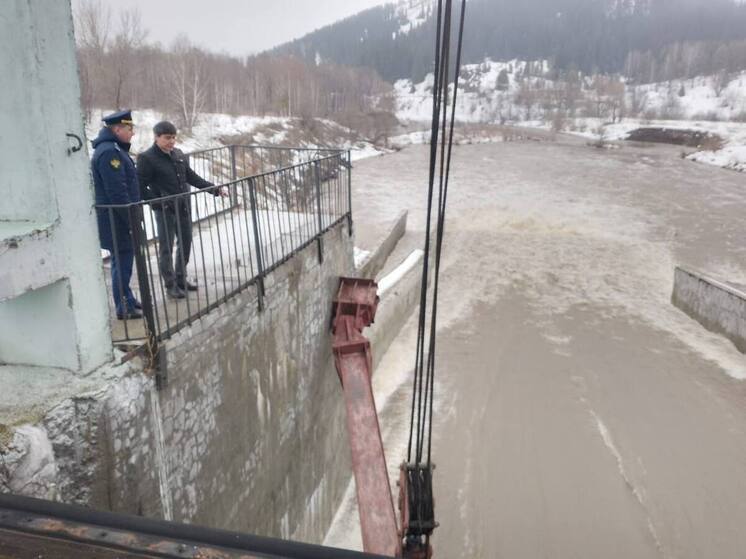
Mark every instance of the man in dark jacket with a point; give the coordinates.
(164, 171)
(115, 182)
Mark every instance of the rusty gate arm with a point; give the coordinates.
(354, 309)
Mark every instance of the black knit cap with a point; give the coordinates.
(164, 127)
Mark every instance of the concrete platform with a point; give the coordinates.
(223, 260)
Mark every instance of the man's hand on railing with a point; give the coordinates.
(223, 191)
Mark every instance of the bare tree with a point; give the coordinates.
(92, 22)
(188, 81)
(118, 67)
(123, 56)
(721, 81)
(608, 97)
(526, 97)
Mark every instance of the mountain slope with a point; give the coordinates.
(591, 35)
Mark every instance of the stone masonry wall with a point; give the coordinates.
(253, 416)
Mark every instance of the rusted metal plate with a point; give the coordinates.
(48, 530)
(18, 545)
(54, 537)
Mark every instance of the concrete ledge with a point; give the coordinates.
(375, 262)
(395, 308)
(716, 305)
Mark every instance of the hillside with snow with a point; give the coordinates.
(396, 38)
(522, 93)
(215, 130)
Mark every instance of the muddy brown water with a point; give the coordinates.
(579, 414)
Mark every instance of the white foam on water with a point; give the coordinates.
(564, 253)
(636, 491)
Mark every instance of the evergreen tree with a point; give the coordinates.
(591, 35)
(503, 81)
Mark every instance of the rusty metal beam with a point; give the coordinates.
(32, 528)
(355, 308)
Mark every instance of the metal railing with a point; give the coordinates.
(285, 200)
(224, 164)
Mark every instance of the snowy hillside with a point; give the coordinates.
(520, 92)
(412, 14)
(480, 98)
(484, 98)
(215, 130)
(700, 98)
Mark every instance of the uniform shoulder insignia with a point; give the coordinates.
(116, 163)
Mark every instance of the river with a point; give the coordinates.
(579, 414)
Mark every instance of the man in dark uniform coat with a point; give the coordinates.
(164, 170)
(115, 181)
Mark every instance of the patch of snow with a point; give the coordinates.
(412, 14)
(730, 157)
(412, 138)
(360, 256)
(35, 474)
(356, 154)
(390, 280)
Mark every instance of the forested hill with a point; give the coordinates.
(590, 35)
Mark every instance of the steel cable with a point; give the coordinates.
(442, 130)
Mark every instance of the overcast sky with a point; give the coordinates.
(239, 26)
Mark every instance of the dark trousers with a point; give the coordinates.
(121, 274)
(172, 225)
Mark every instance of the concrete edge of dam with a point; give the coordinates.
(376, 260)
(717, 305)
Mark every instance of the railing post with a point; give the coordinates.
(349, 192)
(234, 177)
(319, 235)
(139, 241)
(234, 172)
(257, 245)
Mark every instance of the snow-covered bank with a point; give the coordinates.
(516, 90)
(216, 129)
(731, 156)
(521, 93)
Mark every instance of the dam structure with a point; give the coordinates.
(222, 409)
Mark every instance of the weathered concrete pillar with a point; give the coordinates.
(53, 303)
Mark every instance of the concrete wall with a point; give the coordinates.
(249, 434)
(374, 263)
(253, 416)
(718, 306)
(396, 307)
(49, 254)
(93, 444)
